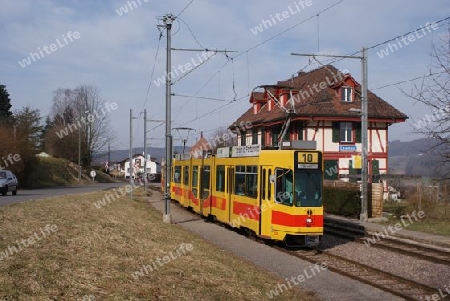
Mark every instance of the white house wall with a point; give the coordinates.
(322, 133)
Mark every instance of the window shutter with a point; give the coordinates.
(331, 170)
(351, 170)
(300, 131)
(263, 137)
(375, 167)
(358, 132)
(335, 132)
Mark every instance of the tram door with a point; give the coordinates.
(205, 188)
(265, 195)
(230, 189)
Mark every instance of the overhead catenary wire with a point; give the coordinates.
(264, 42)
(192, 33)
(182, 11)
(233, 101)
(192, 69)
(152, 71)
(200, 97)
(407, 80)
(331, 61)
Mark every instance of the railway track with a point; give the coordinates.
(394, 244)
(404, 288)
(388, 282)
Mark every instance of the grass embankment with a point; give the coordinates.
(51, 172)
(96, 251)
(436, 221)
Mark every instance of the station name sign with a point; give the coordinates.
(347, 148)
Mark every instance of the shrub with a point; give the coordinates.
(342, 201)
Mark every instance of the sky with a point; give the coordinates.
(118, 47)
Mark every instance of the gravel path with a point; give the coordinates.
(327, 285)
(428, 273)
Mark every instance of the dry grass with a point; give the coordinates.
(96, 251)
(437, 215)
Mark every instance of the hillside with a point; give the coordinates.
(412, 157)
(408, 157)
(51, 172)
(120, 155)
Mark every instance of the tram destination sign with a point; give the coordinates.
(307, 160)
(245, 151)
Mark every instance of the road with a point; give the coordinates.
(35, 194)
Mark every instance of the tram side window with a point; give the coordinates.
(205, 181)
(284, 186)
(246, 181)
(220, 178)
(177, 174)
(194, 180)
(186, 176)
(239, 180)
(251, 178)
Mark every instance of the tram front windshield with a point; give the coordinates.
(308, 188)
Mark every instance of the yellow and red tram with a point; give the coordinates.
(273, 194)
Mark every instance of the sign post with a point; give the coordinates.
(93, 174)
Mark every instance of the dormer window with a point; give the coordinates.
(346, 94)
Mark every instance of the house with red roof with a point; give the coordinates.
(322, 105)
(201, 148)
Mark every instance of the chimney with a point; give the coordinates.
(201, 134)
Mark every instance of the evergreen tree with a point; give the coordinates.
(5, 106)
(45, 129)
(28, 127)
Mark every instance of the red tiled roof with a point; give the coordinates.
(199, 147)
(321, 102)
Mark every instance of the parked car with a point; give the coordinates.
(8, 182)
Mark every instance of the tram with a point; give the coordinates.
(272, 194)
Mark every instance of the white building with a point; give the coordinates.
(138, 166)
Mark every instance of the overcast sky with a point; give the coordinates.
(98, 43)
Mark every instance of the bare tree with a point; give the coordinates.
(221, 138)
(434, 92)
(83, 110)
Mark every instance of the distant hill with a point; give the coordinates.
(120, 155)
(412, 157)
(408, 157)
(414, 147)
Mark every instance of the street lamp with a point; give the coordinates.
(187, 136)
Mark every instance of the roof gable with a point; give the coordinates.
(316, 95)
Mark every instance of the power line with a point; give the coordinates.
(191, 70)
(233, 101)
(408, 80)
(192, 33)
(331, 61)
(269, 39)
(405, 34)
(252, 48)
(153, 70)
(182, 11)
(292, 27)
(200, 97)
